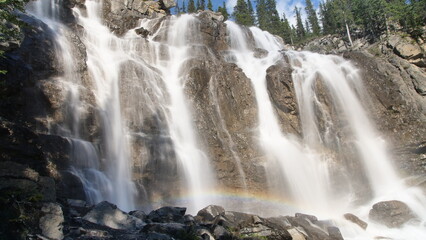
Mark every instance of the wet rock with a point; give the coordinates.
(352, 218)
(334, 233)
(210, 212)
(297, 234)
(221, 233)
(310, 218)
(51, 222)
(109, 215)
(139, 214)
(260, 53)
(393, 213)
(167, 214)
(176, 230)
(142, 32)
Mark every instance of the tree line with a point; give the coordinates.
(349, 18)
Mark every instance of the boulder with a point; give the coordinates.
(210, 212)
(334, 233)
(167, 4)
(107, 214)
(177, 230)
(167, 214)
(393, 213)
(51, 223)
(352, 218)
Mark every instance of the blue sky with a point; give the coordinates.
(283, 6)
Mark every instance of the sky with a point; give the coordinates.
(283, 6)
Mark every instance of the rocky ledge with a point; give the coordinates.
(106, 221)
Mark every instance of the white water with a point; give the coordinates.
(306, 176)
(180, 46)
(159, 71)
(304, 167)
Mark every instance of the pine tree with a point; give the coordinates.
(251, 12)
(177, 7)
(242, 14)
(183, 7)
(300, 30)
(261, 14)
(286, 33)
(224, 12)
(312, 17)
(201, 5)
(308, 28)
(191, 6)
(209, 5)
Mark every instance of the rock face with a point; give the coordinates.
(34, 159)
(393, 214)
(121, 15)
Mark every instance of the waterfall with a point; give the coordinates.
(146, 128)
(302, 162)
(306, 176)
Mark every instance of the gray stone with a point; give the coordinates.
(109, 215)
(139, 214)
(48, 189)
(51, 222)
(352, 218)
(167, 4)
(221, 233)
(167, 214)
(210, 212)
(334, 233)
(393, 213)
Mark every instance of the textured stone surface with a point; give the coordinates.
(51, 223)
(109, 215)
(393, 214)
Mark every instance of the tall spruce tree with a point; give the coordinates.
(286, 33)
(191, 6)
(262, 14)
(251, 11)
(183, 10)
(312, 18)
(201, 5)
(300, 29)
(242, 14)
(209, 5)
(177, 8)
(224, 11)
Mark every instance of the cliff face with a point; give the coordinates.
(34, 109)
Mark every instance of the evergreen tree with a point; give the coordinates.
(262, 14)
(242, 14)
(300, 30)
(191, 6)
(251, 11)
(312, 17)
(267, 16)
(223, 11)
(286, 30)
(209, 5)
(177, 7)
(201, 5)
(308, 28)
(183, 7)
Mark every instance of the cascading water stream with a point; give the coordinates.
(158, 67)
(304, 167)
(182, 44)
(283, 153)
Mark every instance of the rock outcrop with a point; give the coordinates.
(393, 214)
